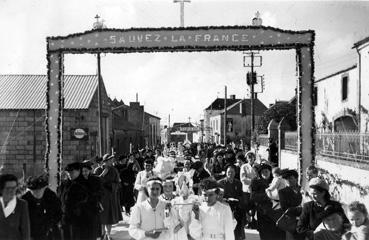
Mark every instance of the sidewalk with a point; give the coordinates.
(120, 231)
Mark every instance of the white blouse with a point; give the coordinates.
(145, 218)
(215, 222)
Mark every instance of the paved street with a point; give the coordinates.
(120, 231)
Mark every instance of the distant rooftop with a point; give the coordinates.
(337, 73)
(361, 42)
(218, 104)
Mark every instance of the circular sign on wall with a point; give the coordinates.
(79, 133)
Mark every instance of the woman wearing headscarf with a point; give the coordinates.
(313, 212)
(152, 218)
(264, 207)
(44, 209)
(14, 217)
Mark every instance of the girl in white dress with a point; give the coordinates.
(182, 206)
(141, 180)
(152, 218)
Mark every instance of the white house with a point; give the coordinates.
(342, 98)
(337, 101)
(362, 48)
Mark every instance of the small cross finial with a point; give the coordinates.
(257, 21)
(98, 24)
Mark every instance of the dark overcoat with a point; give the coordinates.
(44, 214)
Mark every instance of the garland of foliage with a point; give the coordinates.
(334, 179)
(61, 50)
(47, 152)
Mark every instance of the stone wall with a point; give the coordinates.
(22, 141)
(23, 137)
(348, 181)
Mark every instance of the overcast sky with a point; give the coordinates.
(180, 84)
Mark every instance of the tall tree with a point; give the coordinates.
(277, 112)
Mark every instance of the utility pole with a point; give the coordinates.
(100, 104)
(251, 76)
(252, 95)
(99, 25)
(182, 2)
(225, 116)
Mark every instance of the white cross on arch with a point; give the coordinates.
(182, 9)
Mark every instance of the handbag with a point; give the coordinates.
(287, 223)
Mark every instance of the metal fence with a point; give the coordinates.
(352, 146)
(263, 140)
(344, 145)
(290, 141)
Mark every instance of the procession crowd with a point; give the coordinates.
(206, 192)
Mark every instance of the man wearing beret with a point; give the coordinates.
(44, 209)
(74, 197)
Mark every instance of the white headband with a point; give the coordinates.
(150, 182)
(212, 189)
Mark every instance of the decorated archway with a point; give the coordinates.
(190, 39)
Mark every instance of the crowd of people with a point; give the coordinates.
(203, 193)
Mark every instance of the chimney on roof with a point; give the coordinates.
(232, 96)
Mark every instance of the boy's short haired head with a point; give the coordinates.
(277, 171)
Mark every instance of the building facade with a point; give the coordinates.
(22, 121)
(210, 119)
(362, 48)
(337, 101)
(152, 130)
(133, 128)
(343, 97)
(238, 122)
